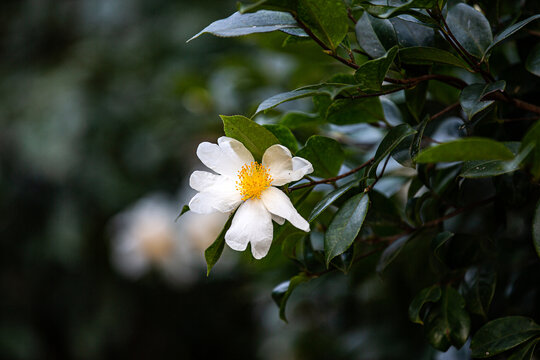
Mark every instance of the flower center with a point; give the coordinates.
(253, 179)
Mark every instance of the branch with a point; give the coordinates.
(445, 110)
(457, 212)
(332, 179)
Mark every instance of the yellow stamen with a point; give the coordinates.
(253, 179)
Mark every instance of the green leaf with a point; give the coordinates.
(448, 323)
(532, 137)
(283, 291)
(418, 55)
(330, 89)
(416, 98)
(392, 139)
(427, 295)
(536, 229)
(329, 198)
(294, 120)
(511, 30)
(185, 209)
(472, 96)
(480, 169)
(280, 5)
(327, 20)
(410, 32)
(391, 252)
(244, 24)
(532, 63)
(375, 35)
(417, 138)
(478, 288)
(254, 136)
(284, 135)
(471, 29)
(525, 351)
(401, 9)
(345, 226)
(438, 242)
(325, 155)
(354, 111)
(472, 148)
(213, 252)
(371, 73)
(502, 334)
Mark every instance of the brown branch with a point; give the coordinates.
(332, 179)
(370, 187)
(457, 212)
(445, 110)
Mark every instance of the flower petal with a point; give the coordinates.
(235, 149)
(252, 223)
(279, 204)
(202, 180)
(283, 167)
(221, 196)
(278, 219)
(301, 167)
(227, 158)
(278, 159)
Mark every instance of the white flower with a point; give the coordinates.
(145, 235)
(249, 186)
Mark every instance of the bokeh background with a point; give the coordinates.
(102, 104)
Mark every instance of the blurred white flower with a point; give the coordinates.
(249, 186)
(146, 235)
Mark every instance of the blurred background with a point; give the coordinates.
(102, 105)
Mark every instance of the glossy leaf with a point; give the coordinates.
(330, 89)
(438, 243)
(419, 55)
(448, 323)
(471, 98)
(294, 120)
(478, 289)
(325, 155)
(480, 169)
(525, 351)
(532, 137)
(254, 136)
(471, 28)
(410, 4)
(329, 199)
(410, 32)
(431, 294)
(374, 35)
(283, 291)
(532, 63)
(284, 135)
(327, 20)
(244, 24)
(213, 252)
(345, 226)
(354, 111)
(392, 139)
(536, 229)
(371, 74)
(415, 99)
(281, 5)
(471, 148)
(502, 334)
(511, 30)
(391, 252)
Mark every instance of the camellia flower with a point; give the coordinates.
(249, 186)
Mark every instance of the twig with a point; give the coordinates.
(457, 212)
(370, 187)
(445, 110)
(332, 179)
